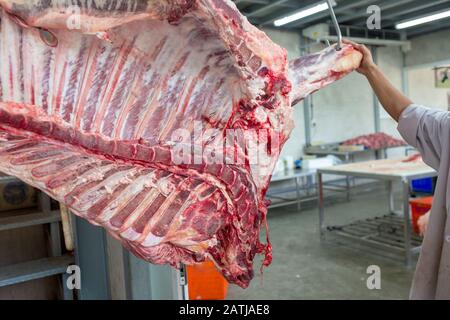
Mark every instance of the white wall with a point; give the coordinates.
(342, 111)
(429, 49)
(423, 91)
(390, 60)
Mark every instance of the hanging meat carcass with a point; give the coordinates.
(102, 103)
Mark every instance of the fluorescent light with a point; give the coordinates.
(419, 21)
(301, 14)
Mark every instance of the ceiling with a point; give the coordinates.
(349, 13)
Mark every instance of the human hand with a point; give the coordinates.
(367, 63)
(423, 223)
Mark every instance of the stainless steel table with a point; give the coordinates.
(300, 177)
(347, 156)
(391, 171)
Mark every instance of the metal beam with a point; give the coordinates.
(323, 15)
(418, 14)
(384, 6)
(429, 29)
(415, 8)
(307, 102)
(376, 103)
(391, 18)
(264, 8)
(285, 12)
(266, 12)
(253, 11)
(288, 3)
(405, 84)
(252, 1)
(369, 41)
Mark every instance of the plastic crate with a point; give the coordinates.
(419, 207)
(205, 282)
(423, 185)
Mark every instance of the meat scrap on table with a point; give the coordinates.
(375, 141)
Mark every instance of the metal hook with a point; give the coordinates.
(336, 25)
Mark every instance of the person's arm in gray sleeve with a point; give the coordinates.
(423, 128)
(393, 101)
(427, 130)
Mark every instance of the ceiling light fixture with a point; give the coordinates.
(423, 20)
(302, 14)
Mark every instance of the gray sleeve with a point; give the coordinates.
(427, 130)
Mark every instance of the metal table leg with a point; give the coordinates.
(347, 187)
(305, 185)
(391, 197)
(183, 292)
(347, 178)
(407, 223)
(321, 206)
(297, 190)
(309, 185)
(352, 160)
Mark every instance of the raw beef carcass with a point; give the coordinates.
(375, 141)
(120, 109)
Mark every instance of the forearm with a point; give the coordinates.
(393, 101)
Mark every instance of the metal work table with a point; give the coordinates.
(304, 177)
(347, 156)
(373, 231)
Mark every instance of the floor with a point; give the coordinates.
(303, 267)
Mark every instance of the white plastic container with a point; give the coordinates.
(317, 163)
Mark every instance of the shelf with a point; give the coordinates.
(385, 232)
(29, 219)
(35, 269)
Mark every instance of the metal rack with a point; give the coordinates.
(55, 264)
(303, 180)
(381, 232)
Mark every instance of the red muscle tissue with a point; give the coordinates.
(94, 101)
(375, 141)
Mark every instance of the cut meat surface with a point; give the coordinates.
(375, 141)
(124, 111)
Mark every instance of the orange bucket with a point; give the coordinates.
(205, 282)
(419, 207)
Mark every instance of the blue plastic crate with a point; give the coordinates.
(423, 185)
